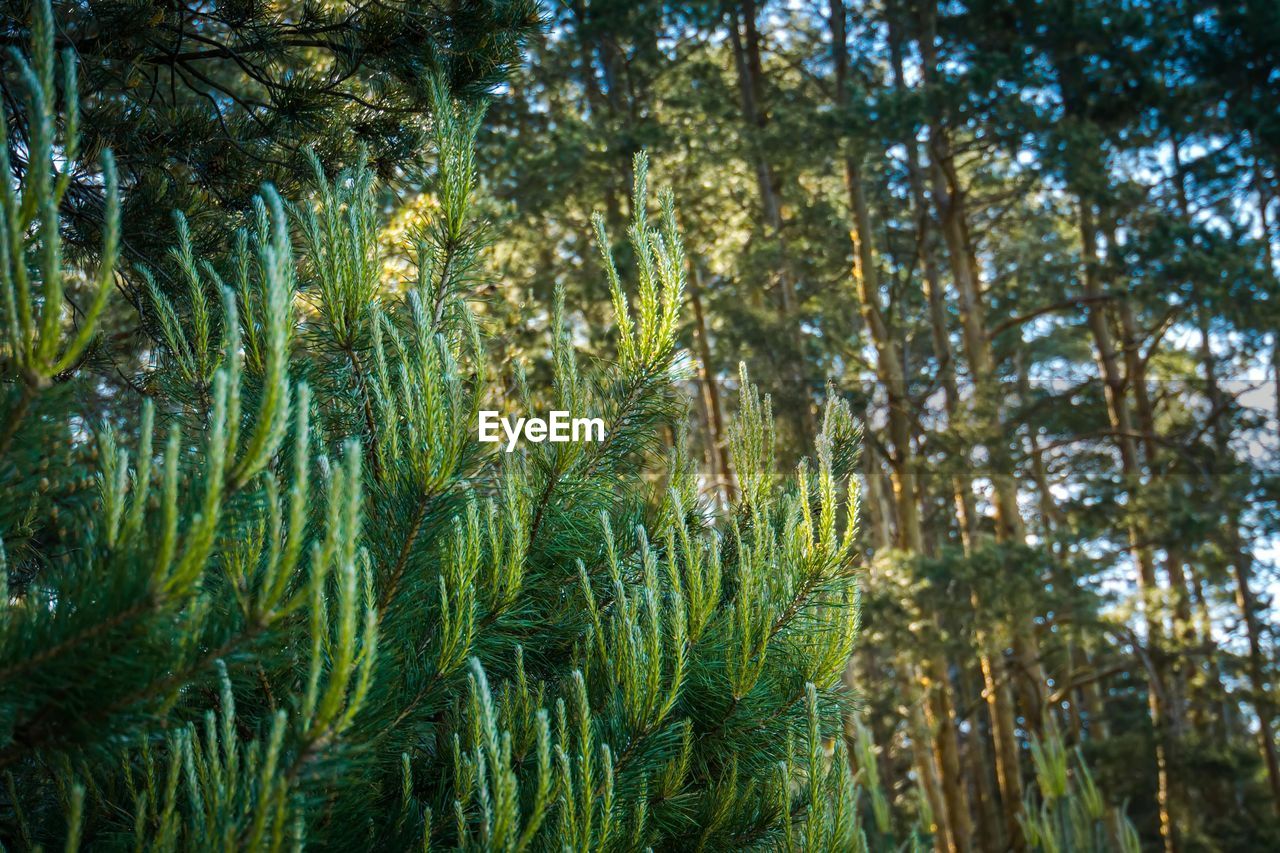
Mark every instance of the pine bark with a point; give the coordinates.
(718, 449)
(744, 34)
(940, 706)
(906, 500)
(1115, 384)
(926, 769)
(935, 295)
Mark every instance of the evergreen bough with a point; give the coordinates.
(290, 600)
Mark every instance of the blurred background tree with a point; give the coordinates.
(1057, 314)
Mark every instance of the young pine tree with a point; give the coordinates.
(290, 600)
(1072, 813)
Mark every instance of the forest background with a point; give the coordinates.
(1033, 244)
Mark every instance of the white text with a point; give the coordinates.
(558, 427)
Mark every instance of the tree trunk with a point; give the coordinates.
(1222, 718)
(879, 511)
(926, 241)
(906, 501)
(597, 107)
(949, 202)
(925, 769)
(745, 37)
(888, 368)
(942, 722)
(1114, 383)
(1241, 573)
(718, 450)
(988, 831)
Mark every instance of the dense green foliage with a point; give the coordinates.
(202, 103)
(298, 603)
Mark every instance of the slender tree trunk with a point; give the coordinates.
(879, 511)
(598, 106)
(906, 500)
(744, 34)
(1114, 383)
(949, 199)
(750, 91)
(926, 770)
(988, 832)
(949, 202)
(926, 241)
(988, 828)
(1222, 718)
(1182, 629)
(1049, 512)
(1241, 572)
(722, 469)
(888, 368)
(941, 715)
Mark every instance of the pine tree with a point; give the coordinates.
(201, 103)
(1072, 813)
(294, 600)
